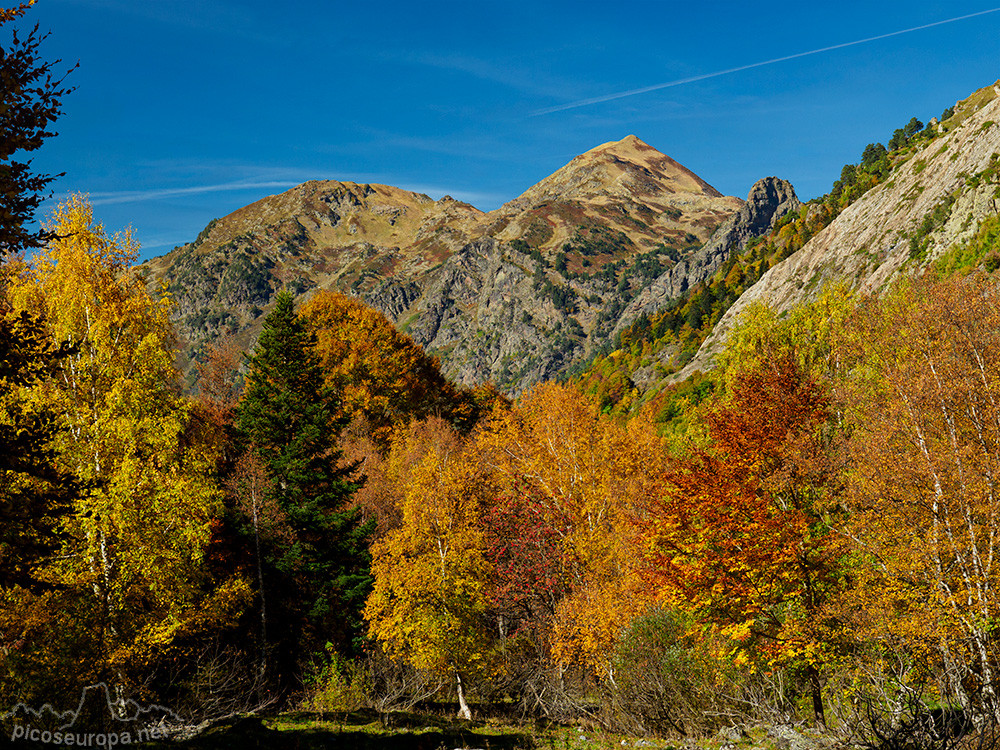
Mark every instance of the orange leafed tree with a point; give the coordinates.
(738, 538)
(219, 384)
(389, 473)
(590, 478)
(380, 373)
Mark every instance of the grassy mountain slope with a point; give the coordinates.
(625, 189)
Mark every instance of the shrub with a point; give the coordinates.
(337, 684)
(671, 678)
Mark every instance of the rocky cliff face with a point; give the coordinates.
(487, 319)
(769, 200)
(935, 198)
(514, 296)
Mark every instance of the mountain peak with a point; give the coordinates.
(627, 184)
(629, 146)
(550, 262)
(626, 168)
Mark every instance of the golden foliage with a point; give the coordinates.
(9, 14)
(596, 476)
(379, 373)
(808, 333)
(136, 536)
(429, 601)
(925, 450)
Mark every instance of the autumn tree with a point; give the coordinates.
(530, 575)
(430, 605)
(388, 472)
(290, 420)
(925, 396)
(522, 537)
(589, 478)
(809, 334)
(136, 536)
(379, 373)
(219, 381)
(739, 538)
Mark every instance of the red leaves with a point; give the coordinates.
(734, 537)
(771, 409)
(523, 543)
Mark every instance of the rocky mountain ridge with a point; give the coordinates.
(935, 199)
(517, 295)
(535, 289)
(769, 200)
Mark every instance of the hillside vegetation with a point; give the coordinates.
(947, 168)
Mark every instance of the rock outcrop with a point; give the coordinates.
(769, 200)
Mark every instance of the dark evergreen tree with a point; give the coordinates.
(317, 575)
(34, 493)
(32, 100)
(873, 153)
(913, 127)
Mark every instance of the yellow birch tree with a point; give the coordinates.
(136, 536)
(429, 604)
(926, 455)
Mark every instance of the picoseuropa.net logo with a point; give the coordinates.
(97, 722)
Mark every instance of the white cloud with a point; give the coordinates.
(135, 196)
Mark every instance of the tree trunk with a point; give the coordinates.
(463, 707)
(817, 696)
(262, 668)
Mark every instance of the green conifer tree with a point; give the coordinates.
(33, 491)
(317, 574)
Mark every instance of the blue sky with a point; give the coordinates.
(185, 110)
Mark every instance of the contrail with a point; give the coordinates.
(702, 77)
(134, 196)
